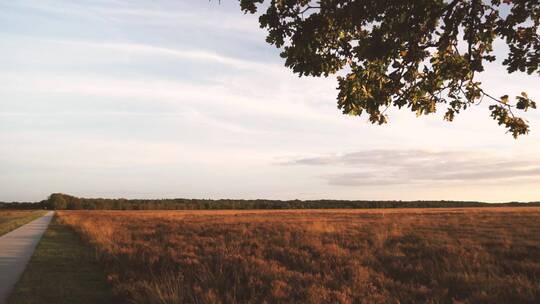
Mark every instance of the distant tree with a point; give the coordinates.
(74, 203)
(419, 54)
(58, 201)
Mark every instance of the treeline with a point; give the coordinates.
(25, 205)
(60, 201)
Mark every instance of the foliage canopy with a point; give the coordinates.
(420, 54)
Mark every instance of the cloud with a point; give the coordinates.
(80, 51)
(187, 54)
(411, 167)
(174, 14)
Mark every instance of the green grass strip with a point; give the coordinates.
(62, 271)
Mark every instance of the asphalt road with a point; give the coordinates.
(16, 249)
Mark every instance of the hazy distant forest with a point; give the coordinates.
(60, 201)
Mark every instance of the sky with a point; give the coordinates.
(167, 99)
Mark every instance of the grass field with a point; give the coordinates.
(62, 271)
(469, 255)
(12, 219)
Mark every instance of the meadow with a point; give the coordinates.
(467, 255)
(12, 219)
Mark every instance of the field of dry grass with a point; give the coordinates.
(12, 219)
(487, 255)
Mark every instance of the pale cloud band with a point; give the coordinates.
(404, 167)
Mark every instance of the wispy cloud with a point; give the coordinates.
(186, 54)
(396, 167)
(84, 50)
(174, 14)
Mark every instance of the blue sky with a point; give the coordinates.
(156, 99)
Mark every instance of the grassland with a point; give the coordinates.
(12, 219)
(62, 271)
(318, 256)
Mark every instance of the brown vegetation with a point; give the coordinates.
(12, 219)
(318, 256)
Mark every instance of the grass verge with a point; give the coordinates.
(13, 219)
(61, 271)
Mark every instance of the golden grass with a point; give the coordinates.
(13, 219)
(480, 255)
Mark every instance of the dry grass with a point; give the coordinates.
(487, 255)
(13, 219)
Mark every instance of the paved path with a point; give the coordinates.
(16, 249)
